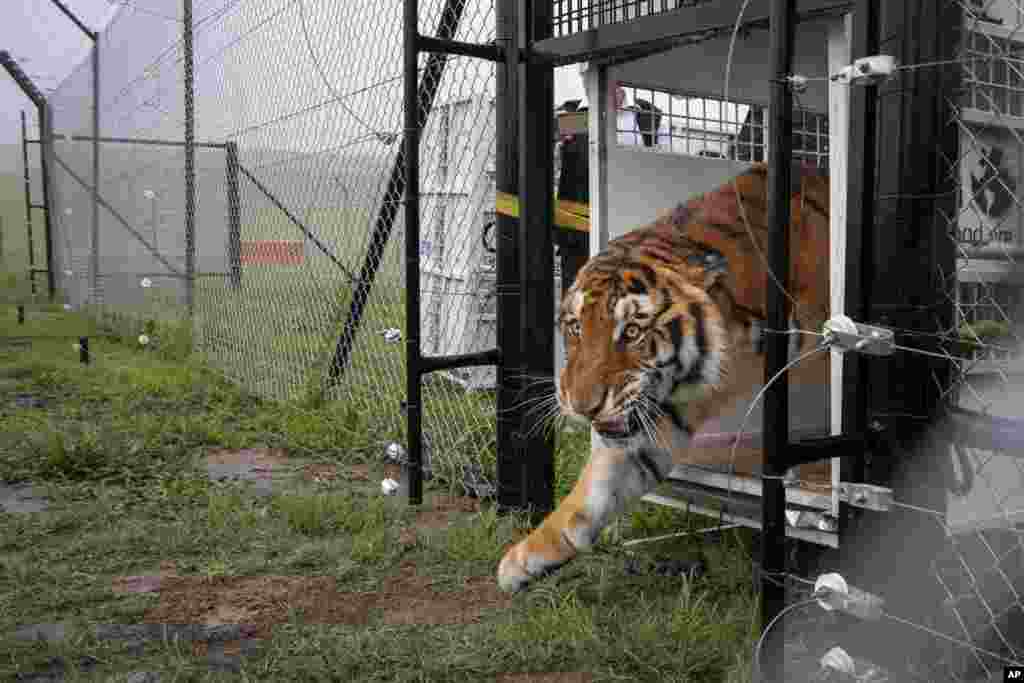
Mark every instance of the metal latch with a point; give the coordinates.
(867, 496)
(843, 334)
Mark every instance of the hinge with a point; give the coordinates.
(867, 496)
(843, 334)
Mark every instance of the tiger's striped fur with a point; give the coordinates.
(657, 331)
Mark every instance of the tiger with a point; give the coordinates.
(660, 335)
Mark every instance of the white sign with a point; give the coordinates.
(990, 184)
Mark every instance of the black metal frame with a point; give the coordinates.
(782, 29)
(662, 31)
(190, 157)
(28, 209)
(524, 113)
(43, 111)
(524, 125)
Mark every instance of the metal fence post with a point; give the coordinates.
(776, 399)
(45, 151)
(234, 216)
(507, 262)
(28, 205)
(536, 253)
(190, 159)
(414, 409)
(94, 256)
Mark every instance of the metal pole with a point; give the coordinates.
(860, 225)
(45, 150)
(190, 160)
(412, 253)
(776, 399)
(536, 254)
(70, 15)
(139, 141)
(234, 217)
(28, 205)
(507, 261)
(94, 256)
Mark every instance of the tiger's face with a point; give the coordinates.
(639, 340)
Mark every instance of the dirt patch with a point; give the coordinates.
(230, 648)
(256, 457)
(457, 504)
(326, 473)
(408, 537)
(410, 598)
(261, 602)
(393, 471)
(568, 677)
(144, 583)
(444, 510)
(320, 473)
(433, 519)
(359, 473)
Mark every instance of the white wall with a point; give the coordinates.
(641, 182)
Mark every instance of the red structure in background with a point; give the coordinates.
(272, 252)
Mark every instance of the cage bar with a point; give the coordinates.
(776, 397)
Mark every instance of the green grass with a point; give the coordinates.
(116, 448)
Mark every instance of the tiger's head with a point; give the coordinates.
(638, 335)
(651, 324)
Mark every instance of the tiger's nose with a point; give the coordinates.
(589, 404)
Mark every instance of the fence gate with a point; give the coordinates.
(934, 254)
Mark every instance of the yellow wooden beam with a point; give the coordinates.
(568, 214)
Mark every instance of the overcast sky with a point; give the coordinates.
(49, 47)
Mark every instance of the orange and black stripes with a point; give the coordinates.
(653, 327)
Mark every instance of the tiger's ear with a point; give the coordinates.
(713, 265)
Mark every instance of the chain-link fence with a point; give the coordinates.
(981, 569)
(249, 162)
(936, 583)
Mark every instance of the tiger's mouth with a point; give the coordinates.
(618, 427)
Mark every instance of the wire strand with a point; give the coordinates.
(756, 663)
(951, 639)
(320, 70)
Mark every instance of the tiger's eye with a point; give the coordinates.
(632, 331)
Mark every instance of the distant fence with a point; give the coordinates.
(234, 166)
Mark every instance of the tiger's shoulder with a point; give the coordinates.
(727, 229)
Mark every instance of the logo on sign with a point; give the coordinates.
(991, 185)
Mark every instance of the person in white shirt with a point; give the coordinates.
(641, 124)
(633, 121)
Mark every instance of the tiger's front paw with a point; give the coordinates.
(512, 573)
(532, 558)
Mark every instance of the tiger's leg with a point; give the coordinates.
(611, 479)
